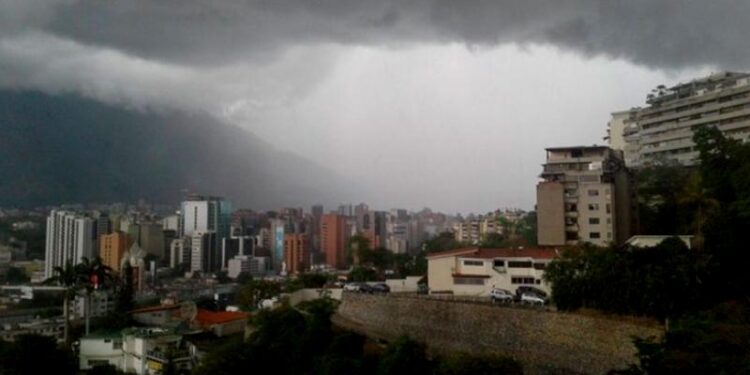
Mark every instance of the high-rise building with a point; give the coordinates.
(208, 218)
(317, 212)
(180, 251)
(662, 132)
(586, 196)
(296, 252)
(205, 257)
(112, 248)
(333, 239)
(70, 237)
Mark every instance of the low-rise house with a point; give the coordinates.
(475, 271)
(221, 323)
(143, 351)
(654, 240)
(161, 315)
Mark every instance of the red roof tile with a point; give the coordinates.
(154, 308)
(208, 317)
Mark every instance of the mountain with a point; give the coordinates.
(64, 148)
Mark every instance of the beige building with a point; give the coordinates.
(475, 271)
(112, 247)
(663, 131)
(585, 196)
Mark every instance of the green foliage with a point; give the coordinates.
(713, 342)
(441, 242)
(16, 275)
(463, 364)
(662, 281)
(405, 356)
(22, 357)
(255, 291)
(494, 240)
(362, 274)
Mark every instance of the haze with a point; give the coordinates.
(447, 104)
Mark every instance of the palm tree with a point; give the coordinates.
(69, 278)
(95, 275)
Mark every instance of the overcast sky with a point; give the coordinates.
(439, 103)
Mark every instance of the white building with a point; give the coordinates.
(475, 271)
(143, 351)
(663, 131)
(254, 266)
(70, 237)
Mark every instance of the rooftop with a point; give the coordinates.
(568, 148)
(484, 253)
(208, 317)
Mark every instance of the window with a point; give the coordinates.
(522, 280)
(498, 263)
(519, 264)
(593, 206)
(468, 281)
(117, 345)
(609, 209)
(595, 235)
(540, 266)
(593, 220)
(473, 263)
(593, 193)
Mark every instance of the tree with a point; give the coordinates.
(356, 249)
(441, 242)
(405, 356)
(494, 240)
(35, 354)
(15, 275)
(70, 278)
(362, 274)
(255, 291)
(463, 364)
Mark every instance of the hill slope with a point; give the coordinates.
(64, 148)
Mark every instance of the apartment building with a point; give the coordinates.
(585, 196)
(475, 271)
(333, 239)
(296, 252)
(662, 132)
(70, 237)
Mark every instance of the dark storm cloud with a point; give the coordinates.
(664, 34)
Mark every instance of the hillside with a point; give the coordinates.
(63, 148)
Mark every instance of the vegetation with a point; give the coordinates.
(34, 354)
(303, 341)
(703, 293)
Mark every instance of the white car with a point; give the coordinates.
(351, 287)
(501, 295)
(532, 299)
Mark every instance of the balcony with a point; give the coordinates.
(163, 357)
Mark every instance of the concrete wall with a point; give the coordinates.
(545, 342)
(550, 214)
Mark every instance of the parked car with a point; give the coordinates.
(381, 288)
(501, 295)
(352, 287)
(532, 299)
(525, 289)
(366, 288)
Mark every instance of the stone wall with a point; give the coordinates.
(546, 342)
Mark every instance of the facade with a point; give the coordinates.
(662, 132)
(333, 239)
(476, 271)
(70, 237)
(221, 323)
(112, 247)
(203, 214)
(136, 350)
(296, 253)
(254, 266)
(236, 245)
(180, 251)
(585, 196)
(204, 255)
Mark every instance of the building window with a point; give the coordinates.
(540, 266)
(498, 263)
(473, 263)
(593, 193)
(520, 264)
(595, 235)
(522, 280)
(468, 281)
(593, 206)
(609, 209)
(593, 220)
